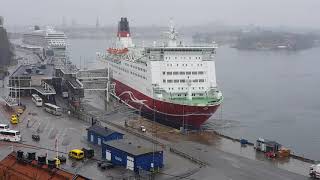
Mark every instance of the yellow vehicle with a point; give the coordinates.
(76, 154)
(14, 119)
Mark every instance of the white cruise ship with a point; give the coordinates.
(47, 38)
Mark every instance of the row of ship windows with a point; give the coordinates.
(183, 57)
(135, 67)
(185, 88)
(56, 41)
(193, 94)
(183, 73)
(186, 65)
(182, 80)
(127, 71)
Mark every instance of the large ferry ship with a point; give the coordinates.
(171, 83)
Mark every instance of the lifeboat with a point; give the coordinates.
(117, 51)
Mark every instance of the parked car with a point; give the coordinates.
(76, 154)
(14, 119)
(143, 129)
(35, 137)
(62, 159)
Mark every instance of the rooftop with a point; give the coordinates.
(33, 70)
(14, 169)
(134, 149)
(103, 131)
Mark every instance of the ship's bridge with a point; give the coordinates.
(184, 52)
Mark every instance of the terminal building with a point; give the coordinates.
(30, 79)
(46, 80)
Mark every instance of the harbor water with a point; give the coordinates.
(267, 94)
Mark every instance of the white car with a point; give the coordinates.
(143, 129)
(314, 171)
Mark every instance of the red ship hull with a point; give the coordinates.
(168, 113)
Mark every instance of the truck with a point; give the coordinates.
(314, 171)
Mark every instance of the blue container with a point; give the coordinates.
(132, 157)
(97, 134)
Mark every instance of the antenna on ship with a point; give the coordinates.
(172, 34)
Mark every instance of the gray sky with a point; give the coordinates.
(297, 13)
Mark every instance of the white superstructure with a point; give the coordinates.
(172, 71)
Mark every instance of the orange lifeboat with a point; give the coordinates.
(117, 51)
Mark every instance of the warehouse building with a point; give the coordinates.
(131, 156)
(97, 134)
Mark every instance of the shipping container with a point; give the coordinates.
(132, 156)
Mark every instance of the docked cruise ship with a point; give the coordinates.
(50, 40)
(172, 83)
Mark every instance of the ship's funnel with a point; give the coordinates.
(36, 27)
(123, 28)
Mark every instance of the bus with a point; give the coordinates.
(10, 135)
(53, 109)
(4, 127)
(37, 100)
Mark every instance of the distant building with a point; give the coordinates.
(1, 21)
(5, 47)
(74, 22)
(97, 23)
(64, 21)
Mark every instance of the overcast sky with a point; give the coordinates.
(297, 13)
